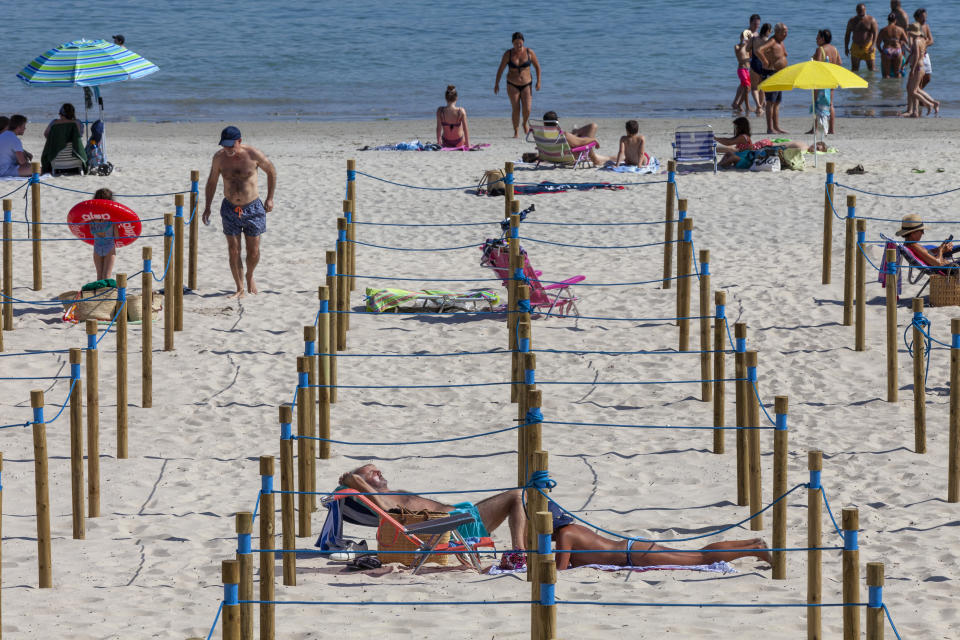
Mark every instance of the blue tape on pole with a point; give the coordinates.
(38, 415)
(332, 269)
(681, 215)
(349, 216)
(547, 598)
(324, 306)
(243, 543)
(850, 540)
(168, 230)
(687, 235)
(529, 376)
(829, 178)
(781, 420)
(309, 348)
(515, 232)
(861, 237)
(741, 345)
(917, 316)
(148, 265)
(178, 211)
(815, 480)
(671, 176)
(704, 268)
(194, 186)
(955, 340)
(92, 341)
(351, 175)
(7, 216)
(303, 381)
(75, 371)
(875, 597)
(34, 178)
(286, 431)
(231, 594)
(341, 235)
(543, 544)
(851, 212)
(121, 294)
(266, 485)
(508, 179)
(721, 310)
(892, 268)
(751, 374)
(524, 345)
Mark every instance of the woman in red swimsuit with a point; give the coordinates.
(519, 80)
(452, 122)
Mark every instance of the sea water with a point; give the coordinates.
(362, 59)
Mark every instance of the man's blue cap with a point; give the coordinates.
(229, 136)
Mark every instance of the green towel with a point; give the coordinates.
(380, 300)
(62, 134)
(99, 284)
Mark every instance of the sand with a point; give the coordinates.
(150, 565)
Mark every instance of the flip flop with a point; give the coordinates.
(857, 170)
(364, 563)
(915, 170)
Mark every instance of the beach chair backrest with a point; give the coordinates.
(498, 258)
(551, 143)
(692, 143)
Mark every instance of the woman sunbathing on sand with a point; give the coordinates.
(744, 158)
(634, 553)
(452, 131)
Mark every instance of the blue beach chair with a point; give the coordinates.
(695, 143)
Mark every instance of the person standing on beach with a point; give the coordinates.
(916, 96)
(773, 54)
(756, 65)
(241, 210)
(742, 52)
(893, 41)
(920, 15)
(864, 30)
(826, 52)
(519, 80)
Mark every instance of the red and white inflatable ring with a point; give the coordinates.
(126, 223)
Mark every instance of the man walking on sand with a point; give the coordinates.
(241, 210)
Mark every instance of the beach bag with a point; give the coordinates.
(765, 162)
(389, 538)
(135, 307)
(492, 182)
(95, 304)
(792, 159)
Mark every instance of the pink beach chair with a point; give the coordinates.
(554, 298)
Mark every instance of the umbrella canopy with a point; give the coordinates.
(813, 74)
(86, 63)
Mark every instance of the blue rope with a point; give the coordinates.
(495, 384)
(398, 493)
(392, 603)
(380, 246)
(37, 378)
(15, 190)
(582, 246)
(55, 302)
(597, 224)
(112, 320)
(417, 355)
(116, 195)
(431, 224)
(922, 323)
(860, 247)
(165, 268)
(32, 353)
(700, 605)
(830, 200)
(215, 620)
(655, 352)
(394, 443)
(892, 195)
(413, 186)
(890, 620)
(760, 402)
(823, 492)
(651, 426)
(256, 508)
(16, 424)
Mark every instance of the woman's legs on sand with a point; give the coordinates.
(514, 94)
(526, 100)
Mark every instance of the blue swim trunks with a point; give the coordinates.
(473, 529)
(103, 241)
(251, 219)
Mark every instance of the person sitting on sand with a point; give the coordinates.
(631, 151)
(741, 140)
(911, 230)
(576, 545)
(67, 114)
(742, 159)
(488, 514)
(452, 131)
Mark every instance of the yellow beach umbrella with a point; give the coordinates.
(812, 75)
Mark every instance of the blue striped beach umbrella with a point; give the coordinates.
(86, 63)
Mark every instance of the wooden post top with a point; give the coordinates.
(323, 293)
(286, 414)
(508, 167)
(168, 219)
(850, 518)
(523, 292)
(346, 206)
(540, 459)
(891, 255)
(351, 164)
(534, 398)
(851, 201)
(147, 253)
(92, 327)
(309, 333)
(704, 256)
(875, 574)
(231, 572)
(917, 304)
(720, 297)
(955, 325)
(303, 364)
(815, 460)
(544, 521)
(36, 398)
(121, 280)
(514, 220)
(178, 199)
(515, 206)
(751, 358)
(671, 165)
(780, 404)
(244, 522)
(830, 167)
(861, 224)
(740, 330)
(341, 224)
(194, 175)
(266, 465)
(75, 355)
(529, 361)
(682, 204)
(7, 204)
(524, 329)
(35, 167)
(331, 257)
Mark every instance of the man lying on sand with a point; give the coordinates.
(489, 513)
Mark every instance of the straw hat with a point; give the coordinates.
(914, 29)
(910, 223)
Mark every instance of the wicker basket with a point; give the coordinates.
(944, 290)
(390, 539)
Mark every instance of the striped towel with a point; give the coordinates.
(380, 300)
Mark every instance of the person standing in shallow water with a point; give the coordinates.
(241, 210)
(519, 80)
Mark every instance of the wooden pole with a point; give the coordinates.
(36, 227)
(41, 481)
(1, 531)
(668, 226)
(121, 324)
(194, 230)
(303, 465)
(684, 284)
(849, 248)
(828, 223)
(861, 315)
(953, 465)
(523, 402)
(343, 291)
(169, 299)
(512, 294)
(178, 262)
(706, 388)
(814, 541)
(719, 371)
(753, 441)
(146, 330)
(333, 306)
(892, 327)
(919, 382)
(530, 438)
(245, 560)
(323, 375)
(536, 502)
(875, 624)
(507, 188)
(740, 372)
(681, 247)
(351, 247)
(546, 609)
(93, 422)
(76, 445)
(352, 218)
(286, 498)
(8, 264)
(230, 627)
(310, 352)
(267, 532)
(850, 520)
(780, 488)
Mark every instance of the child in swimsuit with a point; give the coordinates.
(104, 246)
(452, 129)
(742, 51)
(631, 151)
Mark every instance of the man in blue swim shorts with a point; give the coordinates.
(241, 211)
(488, 514)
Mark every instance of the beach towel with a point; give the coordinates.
(715, 567)
(652, 166)
(60, 136)
(416, 145)
(380, 300)
(560, 187)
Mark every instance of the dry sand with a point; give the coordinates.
(150, 565)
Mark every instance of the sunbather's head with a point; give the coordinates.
(911, 227)
(741, 126)
(372, 475)
(633, 127)
(67, 111)
(103, 194)
(550, 115)
(451, 94)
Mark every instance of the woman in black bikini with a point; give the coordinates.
(519, 80)
(452, 122)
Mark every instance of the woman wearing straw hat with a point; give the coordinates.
(911, 230)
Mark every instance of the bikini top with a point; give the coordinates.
(522, 65)
(447, 124)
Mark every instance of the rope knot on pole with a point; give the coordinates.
(541, 480)
(534, 416)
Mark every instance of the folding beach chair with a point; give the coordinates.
(63, 150)
(917, 269)
(545, 298)
(552, 145)
(361, 510)
(695, 143)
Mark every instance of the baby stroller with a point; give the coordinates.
(96, 156)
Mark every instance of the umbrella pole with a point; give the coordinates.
(816, 159)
